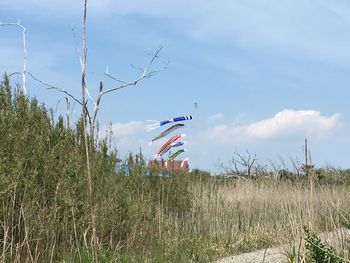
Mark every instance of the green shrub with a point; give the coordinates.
(317, 251)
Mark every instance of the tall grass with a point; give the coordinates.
(187, 217)
(248, 215)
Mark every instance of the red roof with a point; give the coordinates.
(169, 165)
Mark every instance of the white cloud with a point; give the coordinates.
(287, 123)
(122, 130)
(130, 137)
(216, 117)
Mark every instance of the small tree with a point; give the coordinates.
(247, 162)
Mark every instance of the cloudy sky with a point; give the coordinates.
(264, 74)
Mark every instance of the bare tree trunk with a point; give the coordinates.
(86, 141)
(68, 112)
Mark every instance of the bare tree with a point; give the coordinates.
(226, 169)
(91, 115)
(277, 167)
(297, 166)
(146, 73)
(86, 143)
(246, 161)
(24, 30)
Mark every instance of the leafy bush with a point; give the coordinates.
(317, 251)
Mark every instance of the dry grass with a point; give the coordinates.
(250, 215)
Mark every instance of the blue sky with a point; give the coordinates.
(265, 74)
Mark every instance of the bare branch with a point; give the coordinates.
(152, 60)
(89, 95)
(234, 162)
(275, 169)
(58, 103)
(154, 72)
(15, 73)
(24, 30)
(68, 111)
(297, 166)
(134, 67)
(98, 101)
(145, 74)
(115, 79)
(245, 161)
(55, 88)
(76, 45)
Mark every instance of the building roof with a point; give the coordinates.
(169, 165)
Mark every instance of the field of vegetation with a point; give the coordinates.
(186, 217)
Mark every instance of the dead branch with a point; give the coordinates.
(76, 45)
(15, 73)
(24, 30)
(226, 170)
(145, 74)
(50, 87)
(276, 168)
(234, 162)
(297, 166)
(90, 98)
(97, 104)
(68, 111)
(246, 161)
(115, 79)
(124, 84)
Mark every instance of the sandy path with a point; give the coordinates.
(278, 254)
(264, 255)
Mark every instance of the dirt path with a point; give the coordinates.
(264, 255)
(278, 254)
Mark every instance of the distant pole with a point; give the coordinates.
(306, 161)
(310, 174)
